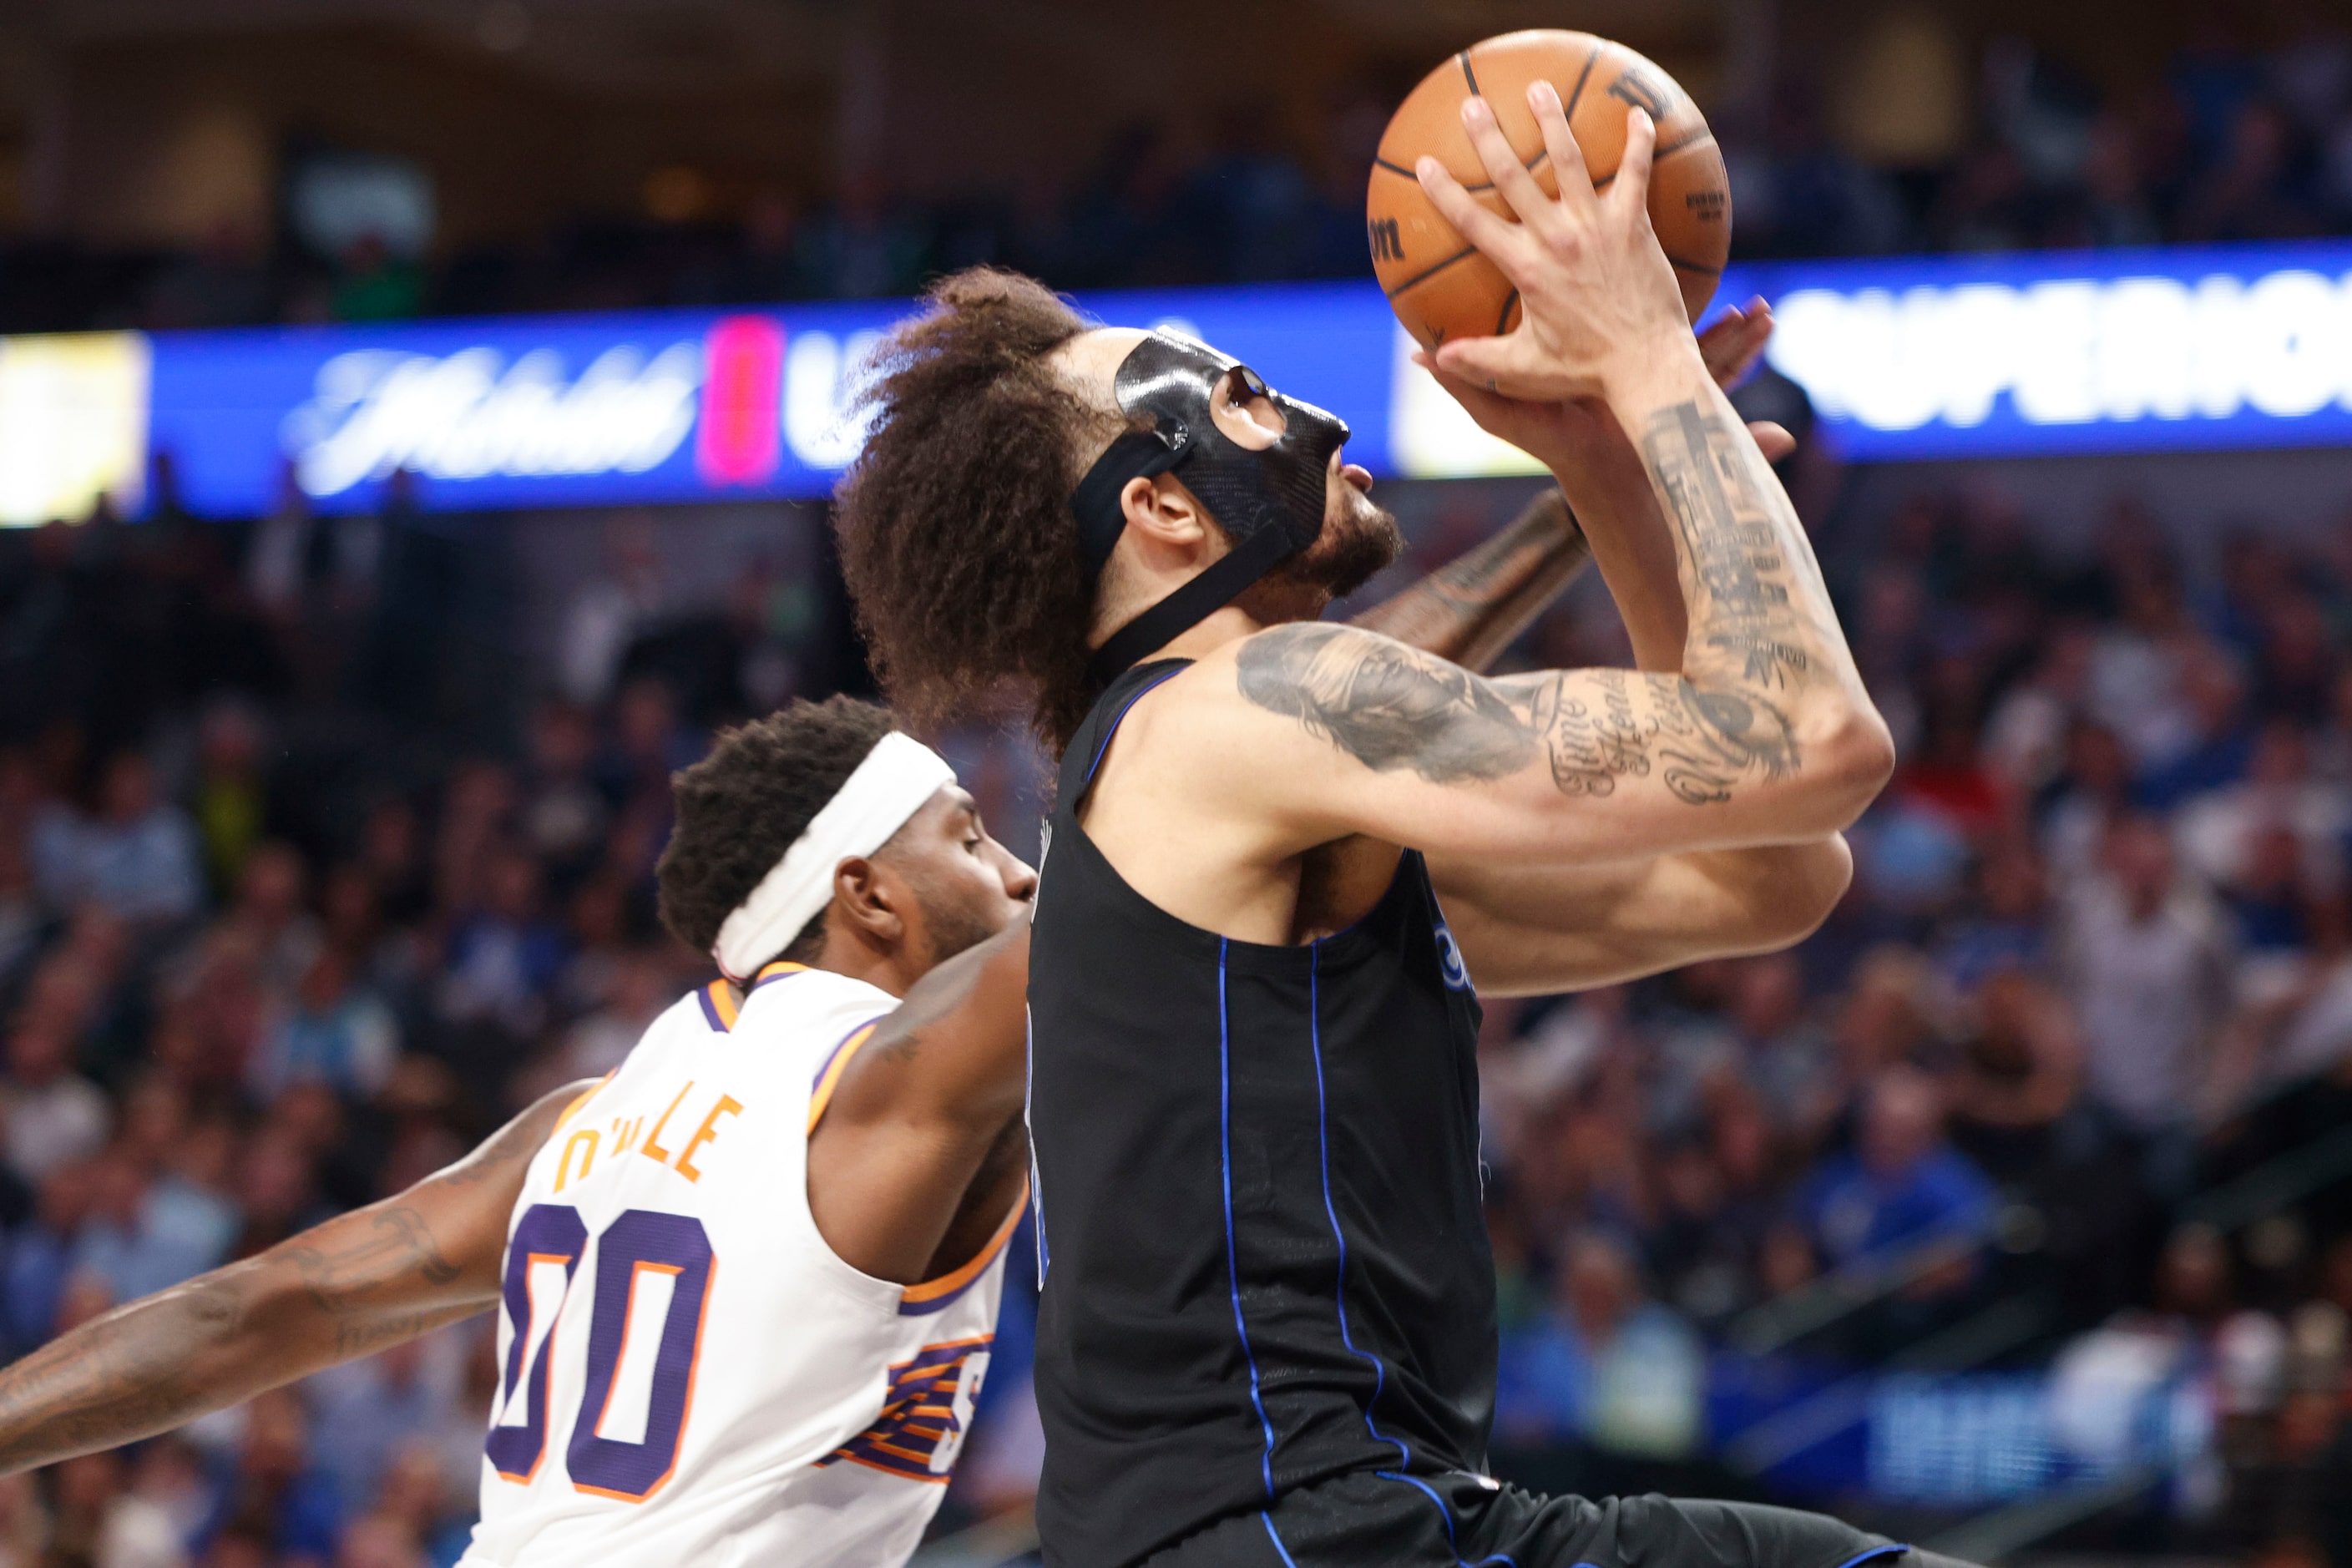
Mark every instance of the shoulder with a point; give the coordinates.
(805, 999)
(1307, 656)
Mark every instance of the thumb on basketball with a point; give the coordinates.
(1509, 366)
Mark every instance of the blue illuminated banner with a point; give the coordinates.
(1910, 358)
(644, 407)
(2120, 350)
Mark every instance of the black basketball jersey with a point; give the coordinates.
(1259, 1210)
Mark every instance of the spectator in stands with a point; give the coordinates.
(338, 1033)
(138, 1241)
(2218, 746)
(53, 1115)
(504, 955)
(227, 806)
(1901, 1187)
(275, 1496)
(2221, 834)
(271, 919)
(1605, 1365)
(136, 856)
(2006, 927)
(2087, 798)
(2146, 960)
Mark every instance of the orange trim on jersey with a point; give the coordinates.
(685, 1416)
(719, 1003)
(823, 1095)
(948, 1284)
(545, 1361)
(573, 1109)
(628, 1314)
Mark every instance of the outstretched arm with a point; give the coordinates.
(360, 1283)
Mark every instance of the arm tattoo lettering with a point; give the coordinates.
(340, 1280)
(1740, 608)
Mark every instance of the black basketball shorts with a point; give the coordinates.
(1462, 1521)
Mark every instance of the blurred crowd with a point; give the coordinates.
(2065, 1083)
(309, 875)
(2230, 142)
(278, 938)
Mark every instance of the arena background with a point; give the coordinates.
(415, 419)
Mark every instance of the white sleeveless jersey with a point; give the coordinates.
(689, 1375)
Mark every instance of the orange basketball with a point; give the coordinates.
(1442, 288)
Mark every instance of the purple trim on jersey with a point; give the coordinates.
(917, 1415)
(825, 1065)
(710, 1010)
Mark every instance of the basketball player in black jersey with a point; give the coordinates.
(1267, 1334)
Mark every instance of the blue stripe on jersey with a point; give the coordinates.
(1112, 728)
(1232, 1268)
(1889, 1550)
(1323, 1139)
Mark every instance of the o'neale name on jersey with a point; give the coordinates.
(587, 1143)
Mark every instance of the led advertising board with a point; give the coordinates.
(1905, 359)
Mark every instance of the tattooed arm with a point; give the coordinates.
(1475, 607)
(920, 1156)
(1762, 735)
(359, 1283)
(1537, 930)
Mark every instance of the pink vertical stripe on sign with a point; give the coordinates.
(739, 439)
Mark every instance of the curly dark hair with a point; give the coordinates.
(740, 807)
(956, 537)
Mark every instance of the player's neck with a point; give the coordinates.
(1251, 613)
(1228, 624)
(844, 954)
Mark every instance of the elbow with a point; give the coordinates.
(1843, 766)
(1792, 889)
(1809, 883)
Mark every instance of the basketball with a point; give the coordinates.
(1438, 284)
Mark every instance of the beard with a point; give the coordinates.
(954, 923)
(1358, 540)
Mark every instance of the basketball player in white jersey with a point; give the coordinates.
(748, 1282)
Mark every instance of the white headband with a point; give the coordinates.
(889, 786)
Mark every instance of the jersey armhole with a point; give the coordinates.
(1101, 747)
(931, 1295)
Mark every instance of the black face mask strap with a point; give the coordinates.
(1138, 455)
(1220, 584)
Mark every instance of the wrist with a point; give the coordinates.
(1657, 366)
